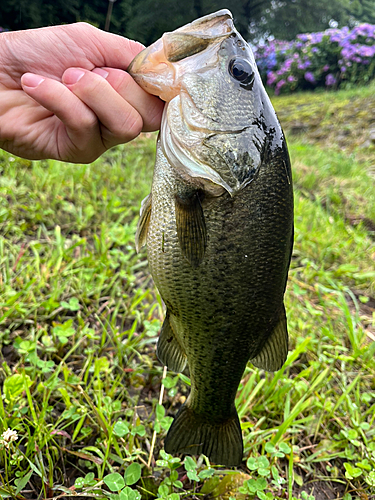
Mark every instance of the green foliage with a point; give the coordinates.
(23, 14)
(169, 483)
(284, 20)
(79, 318)
(361, 10)
(116, 483)
(141, 20)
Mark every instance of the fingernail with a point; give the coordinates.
(72, 75)
(31, 80)
(102, 72)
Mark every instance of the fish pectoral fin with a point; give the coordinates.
(191, 228)
(193, 434)
(169, 350)
(143, 223)
(275, 351)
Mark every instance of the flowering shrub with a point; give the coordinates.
(327, 58)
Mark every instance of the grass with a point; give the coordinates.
(79, 319)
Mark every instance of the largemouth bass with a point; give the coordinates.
(218, 225)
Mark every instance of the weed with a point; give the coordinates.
(80, 316)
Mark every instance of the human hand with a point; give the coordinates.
(64, 93)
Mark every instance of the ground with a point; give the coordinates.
(80, 316)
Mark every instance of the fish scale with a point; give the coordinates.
(219, 251)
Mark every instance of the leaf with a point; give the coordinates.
(264, 472)
(129, 494)
(252, 463)
(163, 490)
(270, 448)
(173, 475)
(63, 330)
(186, 380)
(210, 485)
(160, 412)
(261, 484)
(73, 304)
(298, 479)
(192, 475)
(21, 482)
(90, 479)
(14, 385)
(140, 430)
(132, 474)
(115, 481)
(165, 455)
(85, 456)
(79, 482)
(101, 365)
(162, 463)
(263, 462)
(364, 465)
(352, 472)
(166, 422)
(174, 496)
(189, 464)
(261, 495)
(284, 448)
(170, 382)
(120, 428)
(206, 473)
(251, 485)
(4, 493)
(370, 478)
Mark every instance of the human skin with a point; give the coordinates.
(65, 93)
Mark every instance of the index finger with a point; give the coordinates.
(116, 99)
(148, 106)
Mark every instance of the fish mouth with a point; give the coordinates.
(159, 67)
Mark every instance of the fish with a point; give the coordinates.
(218, 226)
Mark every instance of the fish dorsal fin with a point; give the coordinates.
(169, 350)
(274, 353)
(143, 223)
(191, 228)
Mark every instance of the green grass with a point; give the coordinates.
(79, 319)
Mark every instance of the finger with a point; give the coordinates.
(148, 106)
(121, 122)
(113, 51)
(82, 127)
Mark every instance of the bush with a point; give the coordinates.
(325, 59)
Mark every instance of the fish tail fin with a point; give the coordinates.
(192, 434)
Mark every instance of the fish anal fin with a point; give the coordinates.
(192, 434)
(275, 351)
(169, 350)
(143, 223)
(191, 228)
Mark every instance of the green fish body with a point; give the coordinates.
(218, 226)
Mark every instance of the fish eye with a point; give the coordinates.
(241, 70)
